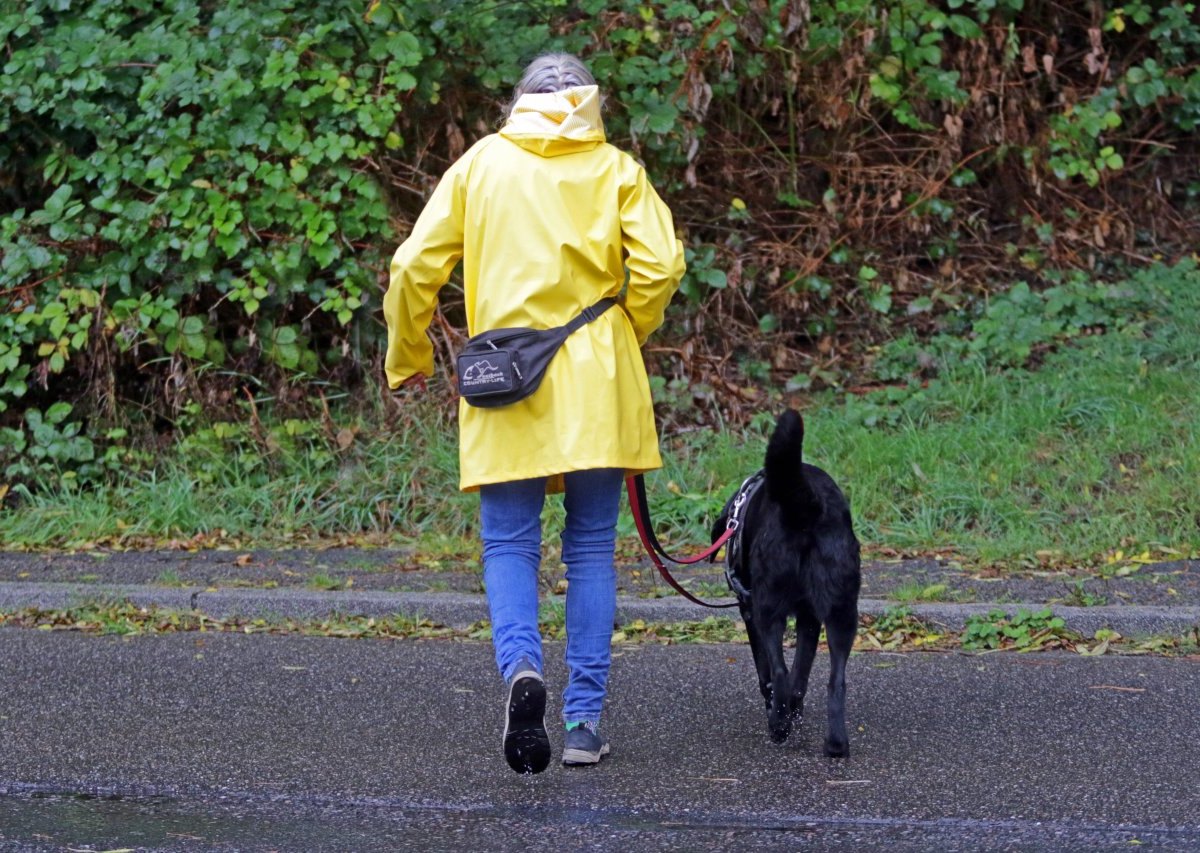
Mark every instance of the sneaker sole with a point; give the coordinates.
(526, 744)
(582, 758)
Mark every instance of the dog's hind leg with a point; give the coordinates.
(808, 632)
(840, 630)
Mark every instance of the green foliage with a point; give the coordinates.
(47, 446)
(703, 275)
(185, 178)
(1162, 85)
(1026, 631)
(195, 197)
(1007, 329)
(1170, 77)
(894, 618)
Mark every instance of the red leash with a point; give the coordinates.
(638, 505)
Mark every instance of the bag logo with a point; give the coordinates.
(482, 373)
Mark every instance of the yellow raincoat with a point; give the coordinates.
(546, 217)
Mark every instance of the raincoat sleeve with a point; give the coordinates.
(420, 267)
(653, 255)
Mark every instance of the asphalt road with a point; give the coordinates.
(231, 742)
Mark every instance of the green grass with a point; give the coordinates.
(398, 484)
(1092, 457)
(1098, 451)
(911, 593)
(324, 582)
(169, 577)
(1095, 454)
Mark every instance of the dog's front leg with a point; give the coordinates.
(761, 667)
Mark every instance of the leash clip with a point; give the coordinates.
(743, 495)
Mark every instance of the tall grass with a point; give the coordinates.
(1097, 450)
(387, 483)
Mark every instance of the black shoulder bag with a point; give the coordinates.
(503, 366)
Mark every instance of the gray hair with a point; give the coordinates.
(551, 72)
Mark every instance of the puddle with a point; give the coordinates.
(89, 823)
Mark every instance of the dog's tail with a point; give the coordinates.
(787, 485)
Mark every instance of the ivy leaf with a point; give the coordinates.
(881, 300)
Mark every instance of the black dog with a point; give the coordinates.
(794, 554)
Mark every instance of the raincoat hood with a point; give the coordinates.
(557, 123)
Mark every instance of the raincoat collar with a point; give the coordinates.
(556, 123)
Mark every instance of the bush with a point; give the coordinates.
(197, 201)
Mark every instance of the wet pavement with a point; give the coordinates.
(233, 742)
(207, 741)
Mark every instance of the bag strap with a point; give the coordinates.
(589, 314)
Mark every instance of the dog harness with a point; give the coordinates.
(733, 548)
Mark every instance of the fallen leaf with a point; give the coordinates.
(244, 559)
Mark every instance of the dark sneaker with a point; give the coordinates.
(583, 746)
(526, 744)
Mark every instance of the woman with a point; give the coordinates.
(547, 218)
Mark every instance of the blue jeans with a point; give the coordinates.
(510, 514)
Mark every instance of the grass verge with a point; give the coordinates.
(897, 630)
(1022, 437)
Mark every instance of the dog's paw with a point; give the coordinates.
(835, 748)
(779, 726)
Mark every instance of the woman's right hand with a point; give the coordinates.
(417, 380)
(414, 383)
